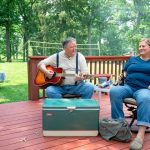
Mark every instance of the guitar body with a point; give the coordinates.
(43, 81)
(59, 75)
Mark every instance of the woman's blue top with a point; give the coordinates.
(138, 73)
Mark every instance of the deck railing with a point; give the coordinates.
(97, 65)
(106, 65)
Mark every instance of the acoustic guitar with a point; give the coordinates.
(57, 78)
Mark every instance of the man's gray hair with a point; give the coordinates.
(66, 41)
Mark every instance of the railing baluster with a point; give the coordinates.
(104, 67)
(107, 66)
(100, 67)
(116, 69)
(119, 66)
(95, 71)
(90, 69)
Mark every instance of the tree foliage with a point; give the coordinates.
(117, 24)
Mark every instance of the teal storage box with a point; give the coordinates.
(70, 117)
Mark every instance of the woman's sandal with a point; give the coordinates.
(136, 144)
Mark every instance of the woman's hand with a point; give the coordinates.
(120, 77)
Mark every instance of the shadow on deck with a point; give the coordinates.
(21, 128)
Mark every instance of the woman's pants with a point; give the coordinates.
(142, 97)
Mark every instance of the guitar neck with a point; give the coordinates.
(65, 75)
(89, 76)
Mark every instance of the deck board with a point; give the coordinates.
(21, 128)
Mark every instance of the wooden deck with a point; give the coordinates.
(21, 128)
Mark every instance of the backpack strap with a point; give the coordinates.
(57, 60)
(77, 63)
(77, 58)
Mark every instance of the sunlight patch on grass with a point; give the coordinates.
(15, 86)
(3, 100)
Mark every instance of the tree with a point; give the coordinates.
(8, 18)
(117, 24)
(28, 22)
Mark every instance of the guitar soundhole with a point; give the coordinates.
(54, 75)
(46, 78)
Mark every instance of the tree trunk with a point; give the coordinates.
(138, 7)
(25, 47)
(8, 44)
(89, 38)
(24, 53)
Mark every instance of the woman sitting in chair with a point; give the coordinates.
(137, 86)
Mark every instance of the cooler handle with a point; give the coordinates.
(71, 109)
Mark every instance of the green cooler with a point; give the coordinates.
(70, 117)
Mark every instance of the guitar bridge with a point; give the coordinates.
(54, 75)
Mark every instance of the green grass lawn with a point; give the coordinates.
(15, 87)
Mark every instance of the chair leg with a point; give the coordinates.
(132, 121)
(147, 130)
(134, 130)
(133, 118)
(44, 95)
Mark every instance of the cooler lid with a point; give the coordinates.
(64, 103)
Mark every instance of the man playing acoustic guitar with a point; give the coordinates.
(72, 62)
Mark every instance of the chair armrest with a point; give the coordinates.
(130, 101)
(108, 76)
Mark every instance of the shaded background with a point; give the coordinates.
(116, 25)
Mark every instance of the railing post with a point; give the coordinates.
(33, 90)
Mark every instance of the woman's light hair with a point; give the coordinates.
(146, 40)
